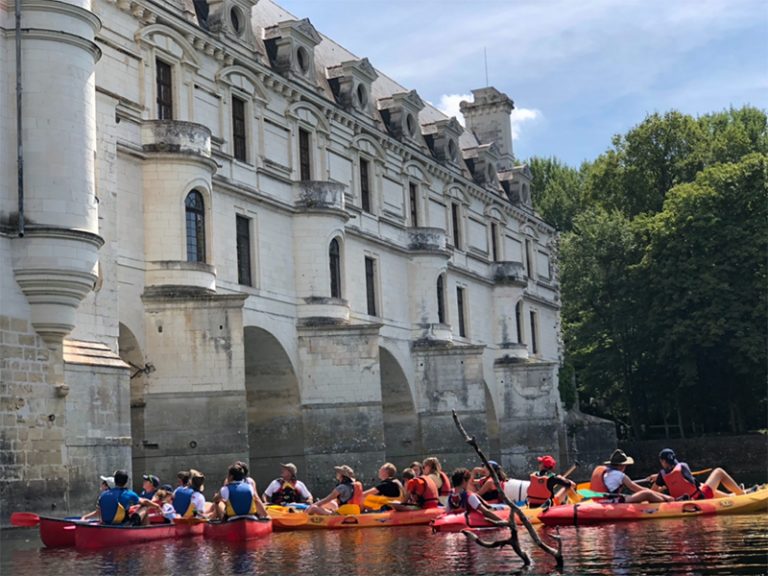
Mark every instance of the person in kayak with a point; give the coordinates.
(544, 483)
(460, 500)
(107, 483)
(188, 501)
(343, 499)
(388, 490)
(114, 503)
(417, 468)
(487, 489)
(420, 492)
(287, 489)
(150, 484)
(431, 467)
(236, 497)
(610, 479)
(679, 482)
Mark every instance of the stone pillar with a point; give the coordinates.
(341, 400)
(510, 282)
(55, 262)
(488, 118)
(429, 258)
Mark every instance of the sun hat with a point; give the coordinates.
(290, 466)
(345, 471)
(619, 458)
(109, 481)
(547, 461)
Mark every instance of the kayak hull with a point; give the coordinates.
(238, 529)
(595, 512)
(57, 532)
(388, 519)
(457, 522)
(97, 536)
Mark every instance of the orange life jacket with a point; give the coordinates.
(538, 491)
(428, 497)
(596, 483)
(357, 494)
(678, 485)
(445, 488)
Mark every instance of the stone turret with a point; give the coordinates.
(488, 118)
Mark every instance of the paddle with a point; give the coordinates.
(26, 519)
(567, 473)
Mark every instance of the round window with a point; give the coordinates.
(410, 125)
(302, 58)
(236, 19)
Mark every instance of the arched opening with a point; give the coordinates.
(492, 423)
(334, 257)
(275, 425)
(402, 435)
(195, 224)
(130, 353)
(441, 299)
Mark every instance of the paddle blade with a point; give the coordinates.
(26, 519)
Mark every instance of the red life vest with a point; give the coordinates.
(445, 487)
(538, 491)
(596, 483)
(357, 494)
(286, 494)
(678, 485)
(424, 492)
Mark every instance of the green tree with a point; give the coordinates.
(556, 191)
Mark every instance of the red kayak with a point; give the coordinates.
(96, 536)
(239, 529)
(57, 532)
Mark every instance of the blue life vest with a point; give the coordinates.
(182, 501)
(458, 500)
(114, 504)
(240, 501)
(147, 495)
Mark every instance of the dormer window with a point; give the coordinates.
(482, 161)
(443, 139)
(351, 83)
(291, 48)
(400, 112)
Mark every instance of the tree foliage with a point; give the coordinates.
(663, 268)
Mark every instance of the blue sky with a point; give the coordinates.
(579, 72)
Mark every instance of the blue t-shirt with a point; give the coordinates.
(114, 504)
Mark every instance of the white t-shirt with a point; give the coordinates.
(168, 511)
(473, 500)
(275, 486)
(613, 479)
(198, 501)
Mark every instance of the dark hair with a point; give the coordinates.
(499, 472)
(121, 478)
(459, 476)
(668, 455)
(236, 472)
(184, 476)
(408, 474)
(244, 466)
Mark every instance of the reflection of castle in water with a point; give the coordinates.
(242, 241)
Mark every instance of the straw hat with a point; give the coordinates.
(345, 471)
(619, 458)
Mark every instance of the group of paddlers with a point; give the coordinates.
(420, 485)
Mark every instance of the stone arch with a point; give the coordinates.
(166, 39)
(130, 352)
(458, 194)
(402, 434)
(416, 171)
(309, 115)
(243, 80)
(367, 145)
(275, 424)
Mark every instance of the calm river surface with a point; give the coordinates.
(714, 545)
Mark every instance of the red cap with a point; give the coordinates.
(547, 461)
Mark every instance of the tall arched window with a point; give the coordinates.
(440, 300)
(334, 257)
(519, 321)
(195, 219)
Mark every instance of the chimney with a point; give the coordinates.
(488, 118)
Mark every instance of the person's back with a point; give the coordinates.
(238, 498)
(113, 504)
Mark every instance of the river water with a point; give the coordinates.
(691, 546)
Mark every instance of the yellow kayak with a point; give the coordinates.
(284, 518)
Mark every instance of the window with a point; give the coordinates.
(164, 80)
(494, 242)
(460, 306)
(528, 258)
(238, 128)
(440, 300)
(370, 285)
(305, 159)
(519, 322)
(334, 257)
(534, 343)
(413, 202)
(455, 224)
(195, 219)
(365, 185)
(243, 233)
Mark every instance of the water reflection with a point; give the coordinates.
(735, 545)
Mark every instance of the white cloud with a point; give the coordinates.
(449, 105)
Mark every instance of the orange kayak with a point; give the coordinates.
(296, 520)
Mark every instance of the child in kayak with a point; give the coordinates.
(460, 500)
(677, 479)
(543, 484)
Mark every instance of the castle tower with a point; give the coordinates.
(55, 262)
(487, 116)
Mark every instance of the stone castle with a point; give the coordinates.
(223, 236)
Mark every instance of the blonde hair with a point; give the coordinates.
(390, 469)
(432, 462)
